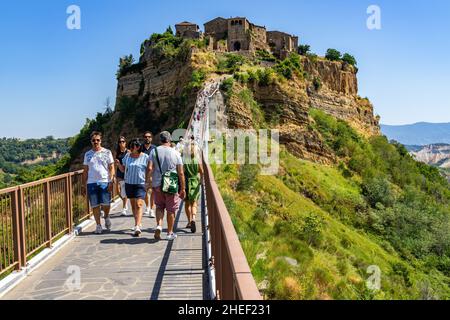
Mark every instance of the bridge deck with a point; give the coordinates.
(116, 266)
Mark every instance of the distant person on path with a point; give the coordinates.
(98, 177)
(147, 148)
(164, 159)
(136, 168)
(121, 152)
(179, 146)
(193, 171)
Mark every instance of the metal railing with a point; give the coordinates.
(34, 215)
(234, 280)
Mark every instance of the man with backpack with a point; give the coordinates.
(168, 183)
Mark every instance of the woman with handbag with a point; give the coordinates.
(136, 168)
(193, 172)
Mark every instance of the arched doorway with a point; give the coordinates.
(237, 46)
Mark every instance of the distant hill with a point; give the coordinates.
(422, 133)
(29, 160)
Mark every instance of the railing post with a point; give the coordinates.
(21, 233)
(48, 215)
(16, 229)
(68, 196)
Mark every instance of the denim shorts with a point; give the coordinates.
(98, 194)
(135, 191)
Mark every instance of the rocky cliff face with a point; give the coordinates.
(289, 102)
(437, 155)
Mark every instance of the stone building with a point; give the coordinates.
(188, 30)
(240, 35)
(281, 43)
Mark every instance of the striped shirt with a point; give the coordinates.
(135, 168)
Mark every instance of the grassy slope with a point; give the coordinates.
(276, 220)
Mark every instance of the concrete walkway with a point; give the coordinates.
(117, 266)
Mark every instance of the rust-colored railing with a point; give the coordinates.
(33, 215)
(234, 280)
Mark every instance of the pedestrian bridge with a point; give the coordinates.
(48, 249)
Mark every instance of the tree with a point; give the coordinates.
(349, 59)
(124, 62)
(303, 49)
(169, 30)
(333, 55)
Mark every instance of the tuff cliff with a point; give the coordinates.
(325, 85)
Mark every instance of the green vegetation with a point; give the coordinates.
(304, 49)
(28, 160)
(349, 59)
(312, 231)
(82, 139)
(124, 64)
(263, 55)
(289, 66)
(230, 63)
(333, 55)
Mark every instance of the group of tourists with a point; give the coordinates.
(146, 176)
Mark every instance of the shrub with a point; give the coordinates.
(333, 55)
(247, 177)
(349, 59)
(198, 77)
(317, 83)
(378, 190)
(265, 76)
(231, 63)
(264, 55)
(311, 230)
(242, 77)
(124, 63)
(289, 66)
(304, 49)
(227, 87)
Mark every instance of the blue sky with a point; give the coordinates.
(52, 78)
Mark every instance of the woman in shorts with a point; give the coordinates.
(136, 168)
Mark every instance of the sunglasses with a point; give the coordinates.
(96, 140)
(147, 137)
(122, 141)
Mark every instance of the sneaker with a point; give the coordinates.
(134, 228)
(193, 227)
(146, 212)
(108, 223)
(152, 213)
(102, 213)
(137, 231)
(171, 237)
(158, 233)
(124, 212)
(98, 229)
